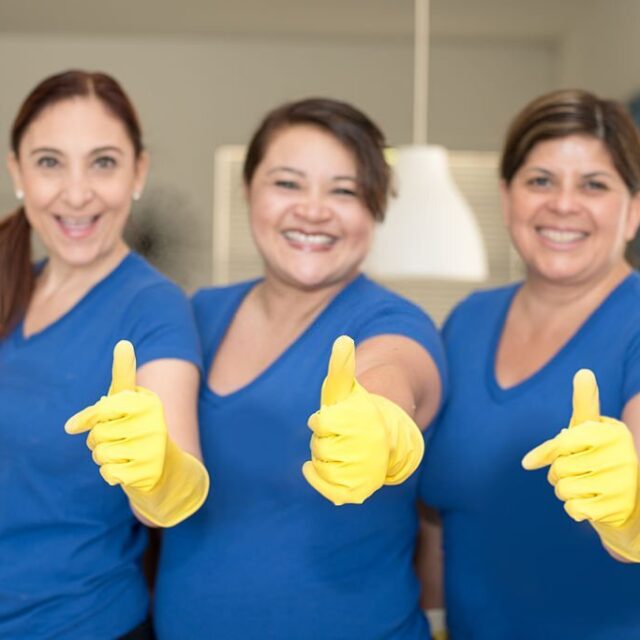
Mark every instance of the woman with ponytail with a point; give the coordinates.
(70, 544)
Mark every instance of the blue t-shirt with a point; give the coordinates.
(516, 566)
(70, 547)
(268, 557)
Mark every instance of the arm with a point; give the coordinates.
(401, 370)
(429, 559)
(430, 570)
(176, 384)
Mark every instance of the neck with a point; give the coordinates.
(542, 298)
(288, 304)
(58, 275)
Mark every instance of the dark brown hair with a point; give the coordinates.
(16, 271)
(349, 126)
(574, 112)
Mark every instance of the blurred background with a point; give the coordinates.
(203, 72)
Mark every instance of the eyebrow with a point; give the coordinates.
(287, 169)
(107, 149)
(590, 174)
(302, 173)
(45, 150)
(93, 152)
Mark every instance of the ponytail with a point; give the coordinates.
(16, 274)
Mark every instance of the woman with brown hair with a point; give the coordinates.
(515, 565)
(70, 545)
(270, 554)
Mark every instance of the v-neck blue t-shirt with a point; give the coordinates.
(267, 557)
(516, 566)
(70, 547)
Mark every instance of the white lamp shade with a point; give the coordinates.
(429, 230)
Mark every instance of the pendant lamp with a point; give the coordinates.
(429, 231)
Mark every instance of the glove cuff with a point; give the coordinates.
(180, 492)
(624, 540)
(406, 443)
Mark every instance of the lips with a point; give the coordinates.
(311, 241)
(561, 236)
(77, 227)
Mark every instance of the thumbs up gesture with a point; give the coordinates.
(127, 432)
(130, 443)
(594, 466)
(360, 440)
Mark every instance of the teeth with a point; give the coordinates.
(77, 223)
(309, 238)
(556, 235)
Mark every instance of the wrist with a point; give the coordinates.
(623, 539)
(180, 491)
(406, 443)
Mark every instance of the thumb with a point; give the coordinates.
(341, 372)
(586, 399)
(123, 373)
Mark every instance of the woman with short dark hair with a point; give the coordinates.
(271, 555)
(515, 565)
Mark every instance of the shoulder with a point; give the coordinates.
(628, 294)
(479, 307)
(367, 297)
(212, 300)
(136, 280)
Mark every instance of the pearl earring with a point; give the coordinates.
(136, 195)
(19, 194)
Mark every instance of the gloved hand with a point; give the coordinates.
(360, 440)
(594, 468)
(129, 440)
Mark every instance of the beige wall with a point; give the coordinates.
(196, 93)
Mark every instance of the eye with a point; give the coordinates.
(105, 162)
(595, 185)
(287, 184)
(539, 181)
(345, 191)
(47, 162)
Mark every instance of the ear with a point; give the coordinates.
(505, 201)
(141, 171)
(633, 219)
(14, 171)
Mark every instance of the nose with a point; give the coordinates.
(565, 201)
(313, 208)
(77, 189)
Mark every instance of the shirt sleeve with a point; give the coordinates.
(160, 324)
(631, 382)
(406, 319)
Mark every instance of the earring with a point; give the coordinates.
(136, 195)
(19, 194)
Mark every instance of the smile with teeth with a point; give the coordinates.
(309, 239)
(561, 236)
(77, 227)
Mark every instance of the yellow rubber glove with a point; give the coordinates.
(129, 440)
(360, 440)
(594, 468)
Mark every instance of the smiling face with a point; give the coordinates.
(78, 170)
(569, 212)
(307, 215)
